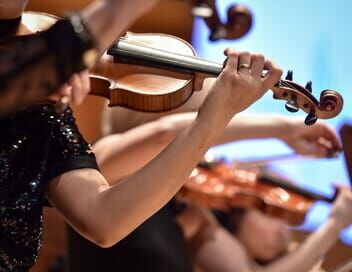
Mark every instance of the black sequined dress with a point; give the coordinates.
(35, 146)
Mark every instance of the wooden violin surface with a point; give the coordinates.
(223, 187)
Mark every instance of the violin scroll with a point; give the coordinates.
(299, 97)
(331, 101)
(239, 20)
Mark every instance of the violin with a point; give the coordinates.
(158, 72)
(239, 19)
(219, 186)
(163, 52)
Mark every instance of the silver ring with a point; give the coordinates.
(244, 66)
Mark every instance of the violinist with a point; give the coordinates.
(246, 225)
(140, 137)
(233, 248)
(43, 155)
(52, 57)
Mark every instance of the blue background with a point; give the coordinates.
(313, 38)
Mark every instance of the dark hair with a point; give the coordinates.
(9, 27)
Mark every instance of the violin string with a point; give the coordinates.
(147, 45)
(282, 83)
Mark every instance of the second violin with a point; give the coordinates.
(222, 187)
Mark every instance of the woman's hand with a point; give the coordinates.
(319, 140)
(341, 211)
(76, 89)
(240, 84)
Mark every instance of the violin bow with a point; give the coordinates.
(282, 158)
(346, 138)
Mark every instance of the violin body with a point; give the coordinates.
(223, 187)
(132, 86)
(142, 88)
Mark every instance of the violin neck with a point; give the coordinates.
(288, 185)
(124, 51)
(134, 53)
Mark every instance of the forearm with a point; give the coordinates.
(254, 126)
(107, 19)
(133, 149)
(242, 126)
(309, 252)
(172, 166)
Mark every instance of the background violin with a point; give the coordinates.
(239, 19)
(219, 186)
(173, 17)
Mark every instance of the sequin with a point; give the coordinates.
(34, 147)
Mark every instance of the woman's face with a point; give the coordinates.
(264, 237)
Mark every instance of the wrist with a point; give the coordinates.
(214, 119)
(334, 225)
(139, 7)
(285, 127)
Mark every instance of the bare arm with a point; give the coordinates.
(106, 214)
(107, 19)
(134, 148)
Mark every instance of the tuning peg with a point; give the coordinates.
(292, 105)
(309, 86)
(201, 9)
(310, 119)
(289, 75)
(217, 33)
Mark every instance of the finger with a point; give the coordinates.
(77, 89)
(340, 187)
(257, 65)
(329, 134)
(84, 76)
(231, 61)
(65, 90)
(325, 137)
(343, 191)
(272, 76)
(327, 146)
(320, 150)
(304, 147)
(244, 63)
